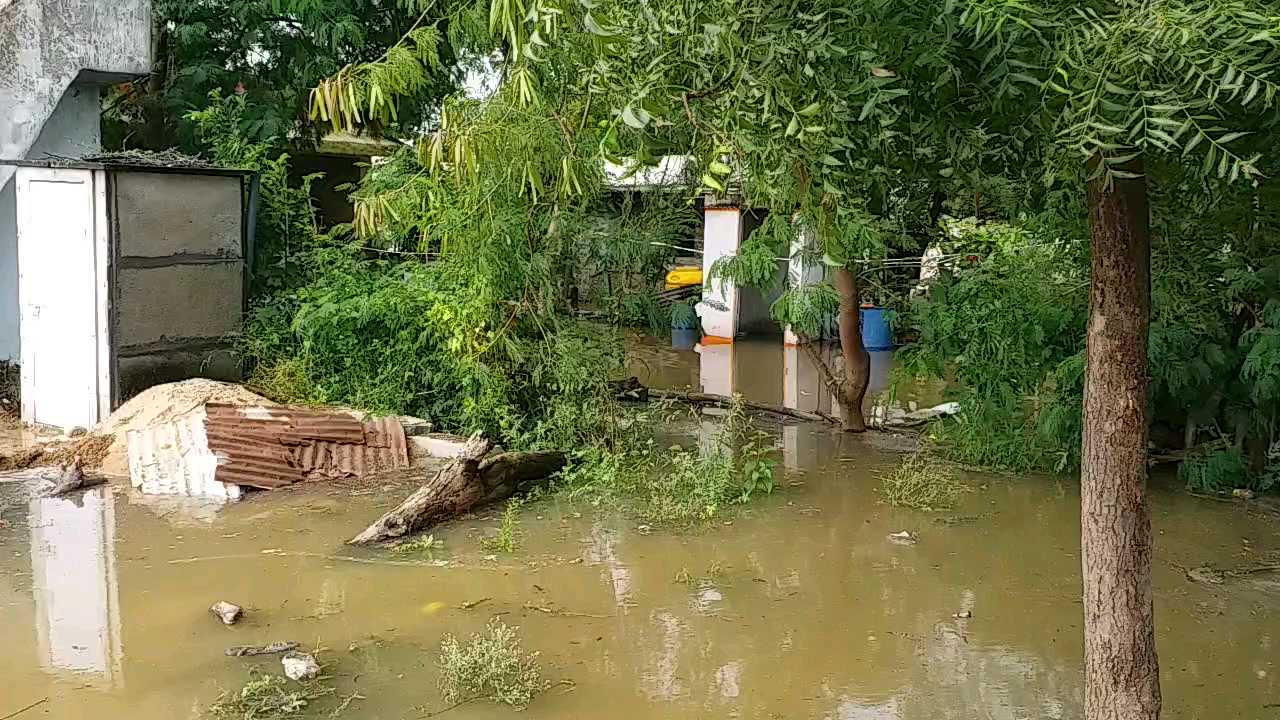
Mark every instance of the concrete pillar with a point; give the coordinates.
(721, 237)
(802, 269)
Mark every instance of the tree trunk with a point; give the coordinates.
(466, 483)
(1121, 672)
(857, 364)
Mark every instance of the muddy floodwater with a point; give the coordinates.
(799, 607)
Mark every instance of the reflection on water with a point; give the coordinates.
(74, 584)
(805, 610)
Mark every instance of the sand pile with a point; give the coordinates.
(161, 404)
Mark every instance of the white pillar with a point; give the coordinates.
(722, 234)
(802, 269)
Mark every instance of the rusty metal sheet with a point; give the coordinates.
(271, 447)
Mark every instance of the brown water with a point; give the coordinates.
(814, 613)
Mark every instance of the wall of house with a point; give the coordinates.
(71, 130)
(55, 55)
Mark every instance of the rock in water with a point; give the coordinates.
(300, 666)
(226, 612)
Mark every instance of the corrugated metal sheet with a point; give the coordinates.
(173, 458)
(271, 447)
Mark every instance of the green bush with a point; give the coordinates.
(1224, 469)
(490, 665)
(677, 486)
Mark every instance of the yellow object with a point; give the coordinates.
(432, 608)
(684, 277)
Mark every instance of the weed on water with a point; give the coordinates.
(714, 575)
(491, 665)
(508, 538)
(423, 544)
(267, 697)
(678, 485)
(922, 483)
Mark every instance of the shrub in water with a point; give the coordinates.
(922, 483)
(266, 697)
(490, 665)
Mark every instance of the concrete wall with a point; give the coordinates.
(155, 305)
(45, 47)
(161, 215)
(72, 129)
(179, 279)
(46, 44)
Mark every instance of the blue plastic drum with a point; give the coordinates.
(877, 333)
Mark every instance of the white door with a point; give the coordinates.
(58, 295)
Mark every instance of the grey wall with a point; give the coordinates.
(179, 277)
(177, 302)
(162, 215)
(45, 46)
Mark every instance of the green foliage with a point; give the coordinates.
(507, 539)
(1224, 469)
(678, 486)
(407, 338)
(272, 52)
(422, 544)
(1141, 78)
(1009, 331)
(922, 483)
(286, 227)
(490, 665)
(807, 308)
(267, 697)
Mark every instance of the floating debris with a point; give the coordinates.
(252, 650)
(227, 612)
(300, 666)
(903, 538)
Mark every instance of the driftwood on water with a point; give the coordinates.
(724, 401)
(468, 482)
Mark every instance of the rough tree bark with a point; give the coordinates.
(467, 482)
(857, 363)
(1122, 678)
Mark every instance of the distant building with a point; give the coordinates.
(343, 159)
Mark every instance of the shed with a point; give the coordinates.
(128, 276)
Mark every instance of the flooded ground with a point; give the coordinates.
(799, 607)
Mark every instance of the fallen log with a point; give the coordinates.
(724, 401)
(468, 482)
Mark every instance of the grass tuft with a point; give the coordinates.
(922, 482)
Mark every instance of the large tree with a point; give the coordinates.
(843, 119)
(1129, 83)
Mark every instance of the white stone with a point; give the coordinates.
(300, 666)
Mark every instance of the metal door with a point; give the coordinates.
(58, 292)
